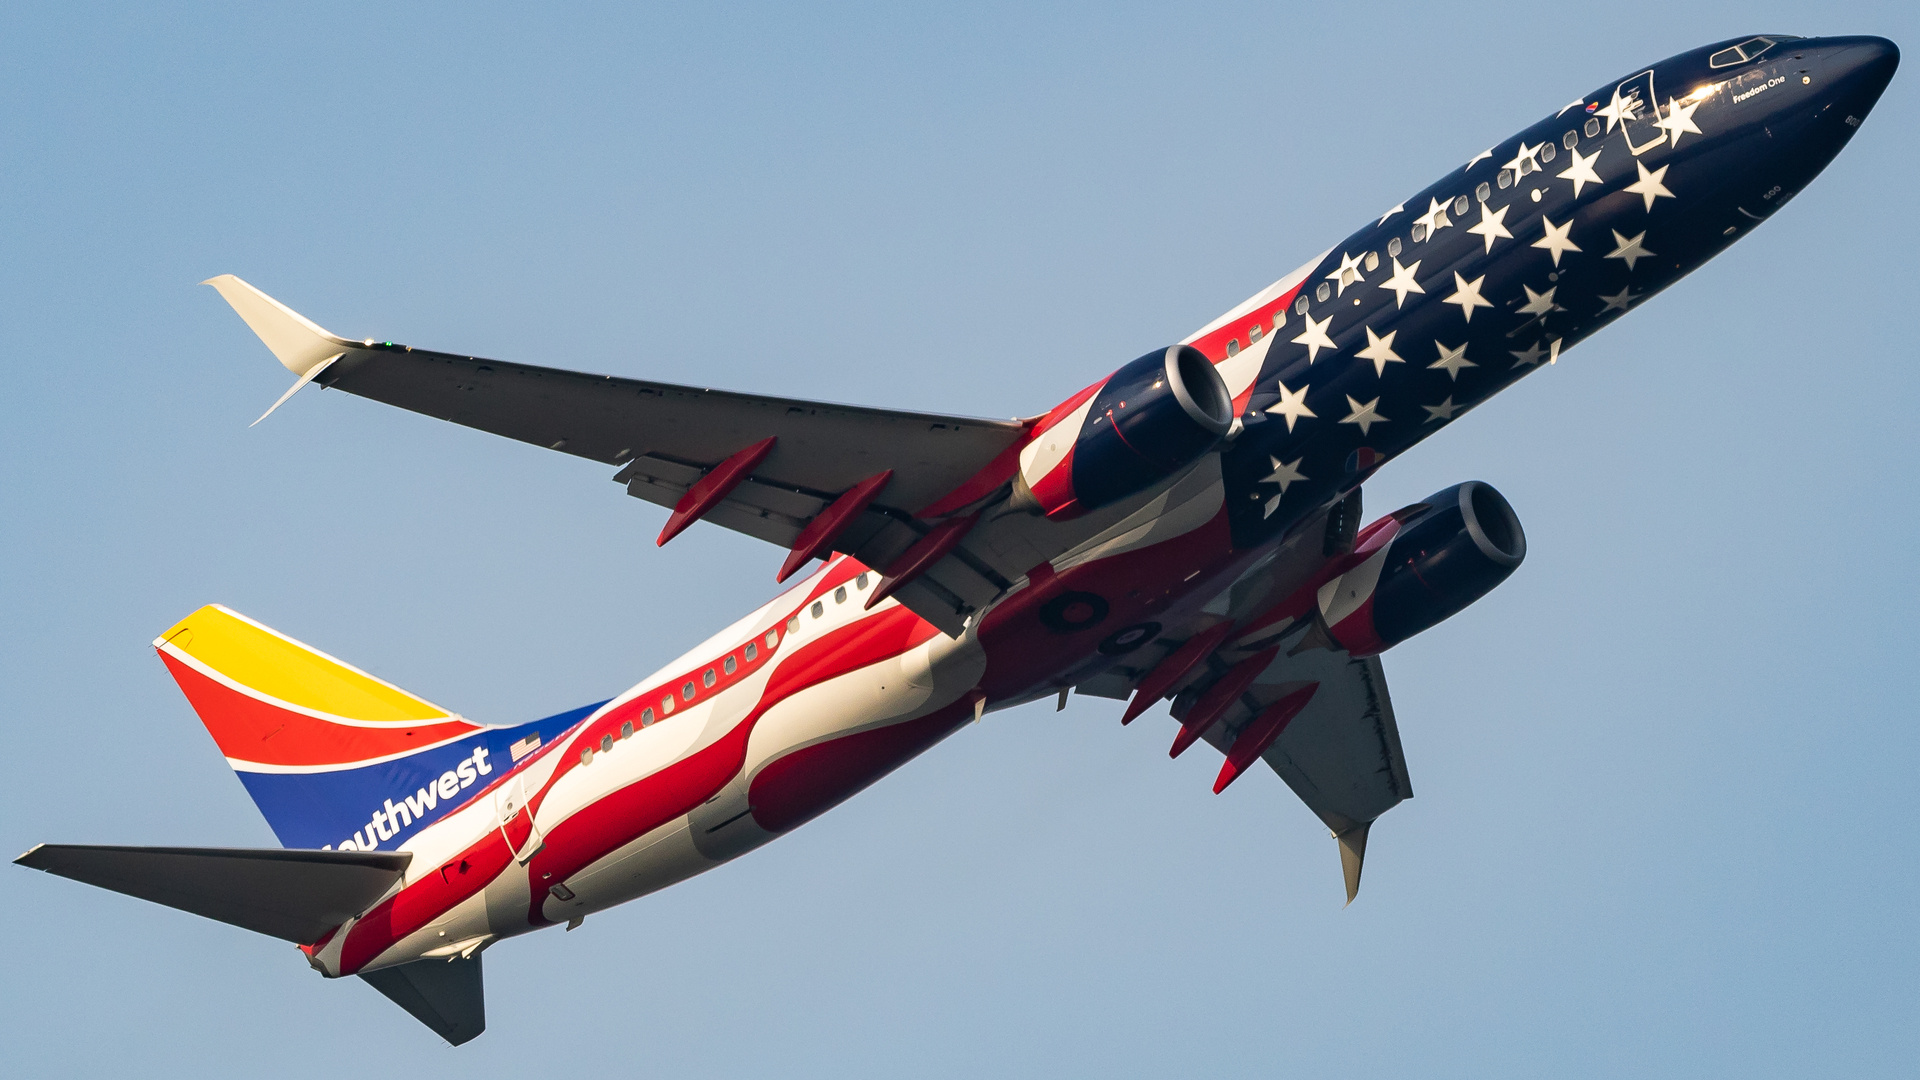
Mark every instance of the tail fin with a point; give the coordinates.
(333, 757)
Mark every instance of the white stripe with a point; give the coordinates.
(1050, 447)
(1264, 296)
(240, 765)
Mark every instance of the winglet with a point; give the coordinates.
(300, 345)
(1353, 852)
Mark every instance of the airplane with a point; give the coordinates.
(1187, 528)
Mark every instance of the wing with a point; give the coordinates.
(1340, 752)
(1341, 755)
(665, 439)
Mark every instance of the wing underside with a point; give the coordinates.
(665, 439)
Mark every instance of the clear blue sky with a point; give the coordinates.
(1664, 822)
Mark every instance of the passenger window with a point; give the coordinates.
(1460, 206)
(729, 666)
(666, 705)
(1506, 180)
(626, 730)
(708, 679)
(1484, 192)
(1547, 151)
(1393, 247)
(860, 582)
(753, 651)
(819, 609)
(686, 692)
(1593, 127)
(1373, 261)
(1570, 140)
(1325, 290)
(646, 717)
(840, 595)
(1233, 346)
(1300, 305)
(1419, 233)
(1253, 333)
(586, 755)
(606, 742)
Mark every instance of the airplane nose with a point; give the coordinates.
(1860, 68)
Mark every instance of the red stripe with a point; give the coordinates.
(793, 790)
(249, 729)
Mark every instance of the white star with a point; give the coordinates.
(1348, 273)
(1292, 405)
(1525, 161)
(1435, 218)
(1398, 207)
(1581, 171)
(1402, 282)
(1621, 300)
(1556, 240)
(1649, 186)
(1467, 294)
(1629, 251)
(1478, 158)
(1574, 104)
(1364, 416)
(1443, 411)
(1620, 110)
(1530, 357)
(1380, 351)
(1492, 225)
(1452, 360)
(1286, 476)
(1315, 337)
(1679, 119)
(1538, 303)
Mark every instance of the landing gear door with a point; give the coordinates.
(516, 822)
(1640, 113)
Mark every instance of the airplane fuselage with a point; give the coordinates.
(1491, 273)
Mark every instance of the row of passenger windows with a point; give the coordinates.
(688, 691)
(819, 607)
(1418, 234)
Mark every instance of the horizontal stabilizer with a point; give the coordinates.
(445, 995)
(293, 895)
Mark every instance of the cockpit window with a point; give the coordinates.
(1750, 49)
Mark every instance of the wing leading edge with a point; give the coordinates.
(664, 438)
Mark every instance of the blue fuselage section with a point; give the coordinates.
(1503, 265)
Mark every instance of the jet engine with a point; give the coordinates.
(1442, 555)
(1147, 420)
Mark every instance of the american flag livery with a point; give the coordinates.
(1186, 529)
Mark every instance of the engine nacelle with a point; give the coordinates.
(1442, 555)
(1147, 420)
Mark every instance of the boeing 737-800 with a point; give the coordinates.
(1185, 529)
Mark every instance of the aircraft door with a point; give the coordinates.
(515, 820)
(1641, 114)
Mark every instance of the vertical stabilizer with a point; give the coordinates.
(334, 757)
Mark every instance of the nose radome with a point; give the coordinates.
(1863, 65)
